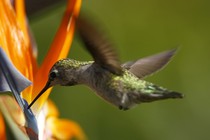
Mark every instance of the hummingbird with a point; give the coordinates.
(122, 85)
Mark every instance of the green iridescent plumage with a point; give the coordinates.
(66, 63)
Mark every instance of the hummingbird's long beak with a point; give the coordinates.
(41, 92)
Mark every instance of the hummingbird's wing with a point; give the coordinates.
(148, 65)
(100, 49)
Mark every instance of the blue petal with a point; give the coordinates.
(15, 77)
(3, 83)
(12, 80)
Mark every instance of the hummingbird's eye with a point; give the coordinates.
(53, 74)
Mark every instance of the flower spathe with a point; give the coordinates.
(17, 43)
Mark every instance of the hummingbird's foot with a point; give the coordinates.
(123, 108)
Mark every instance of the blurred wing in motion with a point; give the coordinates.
(100, 49)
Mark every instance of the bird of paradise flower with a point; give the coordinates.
(17, 42)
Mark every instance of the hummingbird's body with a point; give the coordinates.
(120, 84)
(123, 91)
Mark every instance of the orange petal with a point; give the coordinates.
(2, 128)
(51, 109)
(59, 49)
(21, 18)
(14, 43)
(60, 128)
(23, 24)
(65, 129)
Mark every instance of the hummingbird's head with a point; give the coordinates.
(63, 72)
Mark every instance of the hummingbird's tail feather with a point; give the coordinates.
(174, 94)
(160, 96)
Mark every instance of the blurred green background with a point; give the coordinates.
(141, 28)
